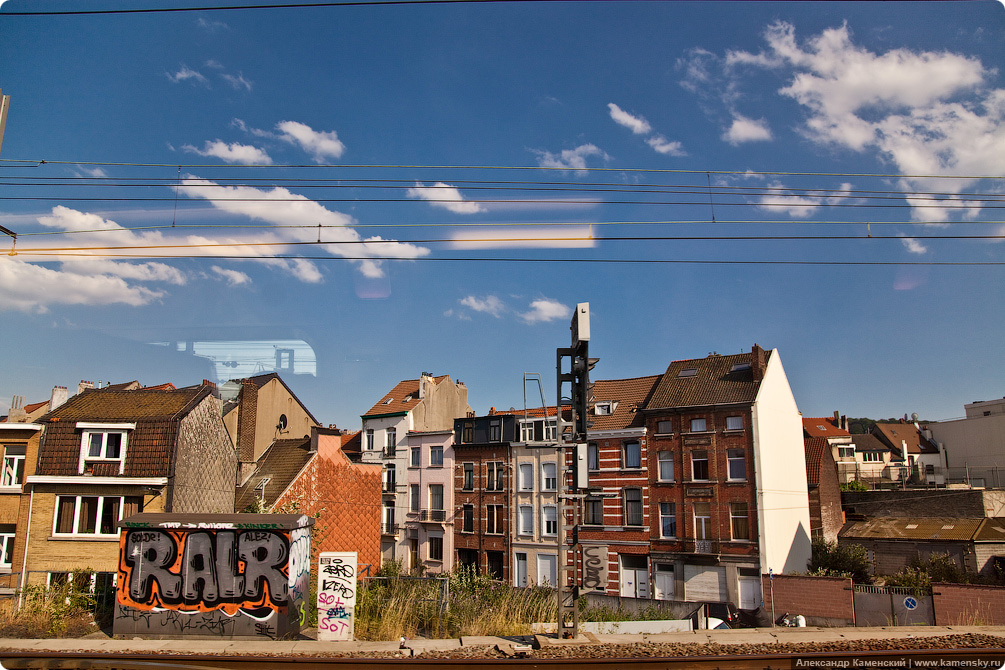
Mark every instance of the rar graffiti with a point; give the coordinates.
(205, 570)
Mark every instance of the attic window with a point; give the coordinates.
(911, 526)
(688, 372)
(740, 367)
(407, 398)
(603, 408)
(389, 401)
(948, 526)
(819, 427)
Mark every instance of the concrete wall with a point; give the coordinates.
(218, 575)
(824, 601)
(441, 404)
(977, 442)
(780, 471)
(968, 605)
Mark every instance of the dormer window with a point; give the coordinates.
(103, 443)
(603, 408)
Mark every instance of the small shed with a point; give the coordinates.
(213, 575)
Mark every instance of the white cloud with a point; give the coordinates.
(913, 246)
(319, 144)
(570, 159)
(664, 146)
(636, 124)
(232, 277)
(284, 208)
(211, 26)
(490, 304)
(28, 287)
(237, 81)
(544, 310)
(231, 153)
(185, 73)
(747, 130)
(445, 196)
(928, 113)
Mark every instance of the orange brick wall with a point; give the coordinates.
(824, 601)
(968, 605)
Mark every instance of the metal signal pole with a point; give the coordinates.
(572, 438)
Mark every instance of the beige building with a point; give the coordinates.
(974, 446)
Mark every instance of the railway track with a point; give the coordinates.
(988, 658)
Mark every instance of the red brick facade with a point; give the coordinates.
(968, 605)
(824, 601)
(486, 495)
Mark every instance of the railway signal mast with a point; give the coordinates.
(574, 388)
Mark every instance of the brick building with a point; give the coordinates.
(108, 453)
(483, 492)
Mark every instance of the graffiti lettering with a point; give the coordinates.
(594, 567)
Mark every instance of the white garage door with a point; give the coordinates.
(704, 583)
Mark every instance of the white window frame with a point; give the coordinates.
(97, 517)
(6, 549)
(549, 482)
(526, 471)
(867, 457)
(732, 460)
(415, 457)
(526, 515)
(103, 429)
(668, 510)
(547, 569)
(699, 425)
(13, 474)
(391, 438)
(636, 447)
(369, 439)
(664, 458)
(429, 546)
(436, 456)
(549, 521)
(734, 423)
(846, 451)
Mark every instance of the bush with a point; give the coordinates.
(62, 610)
(936, 568)
(854, 485)
(830, 559)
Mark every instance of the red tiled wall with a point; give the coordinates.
(824, 601)
(969, 605)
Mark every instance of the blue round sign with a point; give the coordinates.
(910, 603)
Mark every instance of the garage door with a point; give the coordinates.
(704, 583)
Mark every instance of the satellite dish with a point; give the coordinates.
(914, 416)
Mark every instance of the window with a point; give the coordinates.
(736, 464)
(632, 454)
(468, 519)
(93, 515)
(547, 569)
(665, 459)
(739, 367)
(526, 476)
(416, 457)
(593, 456)
(103, 443)
(664, 427)
(526, 526)
(872, 456)
(436, 456)
(739, 521)
(436, 500)
(494, 519)
(392, 439)
(699, 466)
(549, 520)
(495, 477)
(413, 497)
(390, 480)
(435, 550)
(388, 524)
(469, 477)
(702, 521)
(594, 512)
(734, 423)
(541, 430)
(549, 477)
(603, 409)
(846, 452)
(7, 547)
(468, 432)
(13, 465)
(495, 431)
(668, 519)
(369, 438)
(633, 507)
(688, 372)
(698, 425)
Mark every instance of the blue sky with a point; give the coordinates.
(475, 170)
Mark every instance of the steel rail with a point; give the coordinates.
(885, 659)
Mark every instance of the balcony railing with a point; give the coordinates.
(391, 487)
(435, 515)
(389, 452)
(389, 529)
(700, 546)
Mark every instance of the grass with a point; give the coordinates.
(59, 611)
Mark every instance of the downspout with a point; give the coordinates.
(24, 561)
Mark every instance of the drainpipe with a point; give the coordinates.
(24, 561)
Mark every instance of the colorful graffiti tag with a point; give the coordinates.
(250, 572)
(336, 595)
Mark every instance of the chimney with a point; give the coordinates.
(84, 386)
(58, 397)
(758, 361)
(837, 419)
(844, 422)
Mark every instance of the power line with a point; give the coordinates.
(299, 5)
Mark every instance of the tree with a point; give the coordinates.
(830, 559)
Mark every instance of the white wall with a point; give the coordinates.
(783, 515)
(978, 442)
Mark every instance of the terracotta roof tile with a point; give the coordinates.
(716, 380)
(402, 398)
(813, 448)
(627, 397)
(822, 427)
(896, 433)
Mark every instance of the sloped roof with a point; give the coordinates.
(262, 380)
(627, 397)
(126, 406)
(822, 427)
(401, 399)
(868, 442)
(895, 433)
(888, 528)
(714, 382)
(280, 464)
(992, 530)
(814, 447)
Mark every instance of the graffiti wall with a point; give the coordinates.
(336, 595)
(227, 575)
